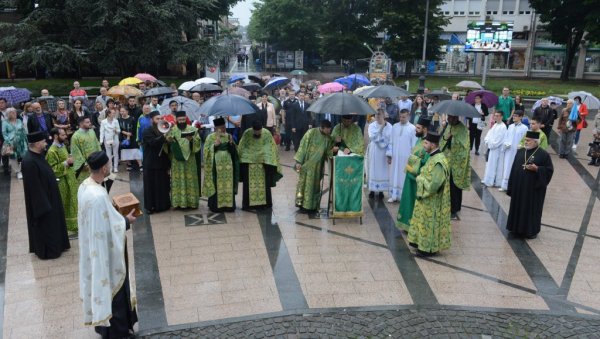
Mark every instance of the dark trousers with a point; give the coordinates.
(286, 138)
(474, 136)
(5, 167)
(455, 196)
(547, 130)
(297, 136)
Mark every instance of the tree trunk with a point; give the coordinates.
(572, 47)
(408, 68)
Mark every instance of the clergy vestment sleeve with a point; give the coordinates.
(426, 188)
(58, 166)
(78, 155)
(301, 154)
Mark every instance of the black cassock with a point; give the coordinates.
(157, 183)
(46, 224)
(527, 190)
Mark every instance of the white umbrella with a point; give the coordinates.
(206, 80)
(551, 100)
(587, 98)
(362, 89)
(469, 84)
(186, 86)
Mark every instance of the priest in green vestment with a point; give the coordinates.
(430, 229)
(83, 143)
(456, 147)
(62, 165)
(416, 160)
(221, 169)
(348, 137)
(315, 148)
(184, 148)
(259, 166)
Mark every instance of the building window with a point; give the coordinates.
(462, 13)
(592, 61)
(511, 12)
(447, 13)
(489, 12)
(504, 12)
(548, 59)
(527, 12)
(494, 12)
(515, 60)
(455, 12)
(521, 12)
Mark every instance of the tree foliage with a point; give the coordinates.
(567, 21)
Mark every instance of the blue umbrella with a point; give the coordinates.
(354, 81)
(191, 108)
(15, 95)
(228, 105)
(276, 82)
(236, 77)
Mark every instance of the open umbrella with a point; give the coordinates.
(276, 82)
(158, 91)
(456, 108)
(341, 104)
(130, 81)
(15, 95)
(469, 84)
(236, 77)
(252, 87)
(237, 91)
(124, 91)
(551, 100)
(587, 98)
(145, 77)
(206, 80)
(354, 81)
(189, 106)
(298, 72)
(331, 87)
(442, 95)
(204, 87)
(363, 89)
(228, 105)
(186, 86)
(487, 97)
(257, 79)
(384, 91)
(161, 83)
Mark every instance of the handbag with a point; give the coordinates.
(7, 150)
(594, 151)
(585, 124)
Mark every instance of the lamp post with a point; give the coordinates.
(422, 78)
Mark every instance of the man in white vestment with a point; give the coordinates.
(494, 141)
(402, 141)
(380, 132)
(103, 268)
(515, 133)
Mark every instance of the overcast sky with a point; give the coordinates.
(242, 11)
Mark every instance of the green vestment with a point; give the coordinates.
(67, 183)
(430, 224)
(83, 143)
(543, 141)
(352, 138)
(221, 170)
(185, 187)
(258, 153)
(312, 154)
(457, 152)
(416, 160)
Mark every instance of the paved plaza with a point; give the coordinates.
(280, 273)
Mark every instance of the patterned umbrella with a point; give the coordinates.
(331, 87)
(124, 91)
(487, 97)
(145, 77)
(237, 91)
(15, 95)
(130, 81)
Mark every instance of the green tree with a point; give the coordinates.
(567, 21)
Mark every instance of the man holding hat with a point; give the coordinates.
(103, 263)
(456, 146)
(417, 159)
(530, 174)
(348, 137)
(259, 166)
(430, 229)
(184, 147)
(222, 170)
(83, 143)
(157, 182)
(516, 131)
(46, 224)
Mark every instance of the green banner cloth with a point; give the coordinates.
(347, 186)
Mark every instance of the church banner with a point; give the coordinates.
(347, 186)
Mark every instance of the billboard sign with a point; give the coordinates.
(489, 36)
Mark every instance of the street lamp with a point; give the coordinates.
(422, 78)
(369, 48)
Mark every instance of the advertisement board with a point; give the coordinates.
(489, 36)
(280, 59)
(299, 60)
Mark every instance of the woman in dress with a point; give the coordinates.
(418, 109)
(129, 147)
(15, 140)
(78, 111)
(62, 118)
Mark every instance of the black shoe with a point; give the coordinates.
(424, 254)
(287, 148)
(532, 236)
(371, 195)
(454, 216)
(412, 244)
(476, 152)
(380, 195)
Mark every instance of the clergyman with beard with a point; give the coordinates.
(157, 181)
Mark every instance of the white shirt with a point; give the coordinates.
(404, 104)
(109, 131)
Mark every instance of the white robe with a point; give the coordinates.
(101, 252)
(379, 137)
(402, 141)
(513, 137)
(495, 143)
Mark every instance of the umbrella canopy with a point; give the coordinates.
(551, 100)
(236, 77)
(354, 81)
(341, 104)
(130, 81)
(15, 95)
(384, 91)
(124, 91)
(186, 86)
(145, 77)
(456, 108)
(237, 91)
(161, 83)
(158, 91)
(469, 84)
(257, 79)
(191, 108)
(206, 80)
(442, 95)
(204, 87)
(227, 105)
(276, 82)
(587, 98)
(276, 103)
(252, 87)
(331, 87)
(298, 72)
(360, 90)
(487, 97)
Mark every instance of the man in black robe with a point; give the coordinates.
(46, 223)
(157, 182)
(530, 174)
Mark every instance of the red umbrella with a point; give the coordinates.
(145, 77)
(487, 97)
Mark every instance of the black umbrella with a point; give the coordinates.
(384, 91)
(205, 88)
(257, 80)
(456, 108)
(341, 104)
(158, 91)
(252, 87)
(440, 94)
(228, 105)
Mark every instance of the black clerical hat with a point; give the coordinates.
(424, 122)
(180, 114)
(153, 114)
(532, 135)
(219, 122)
(35, 137)
(347, 116)
(97, 159)
(257, 125)
(433, 137)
